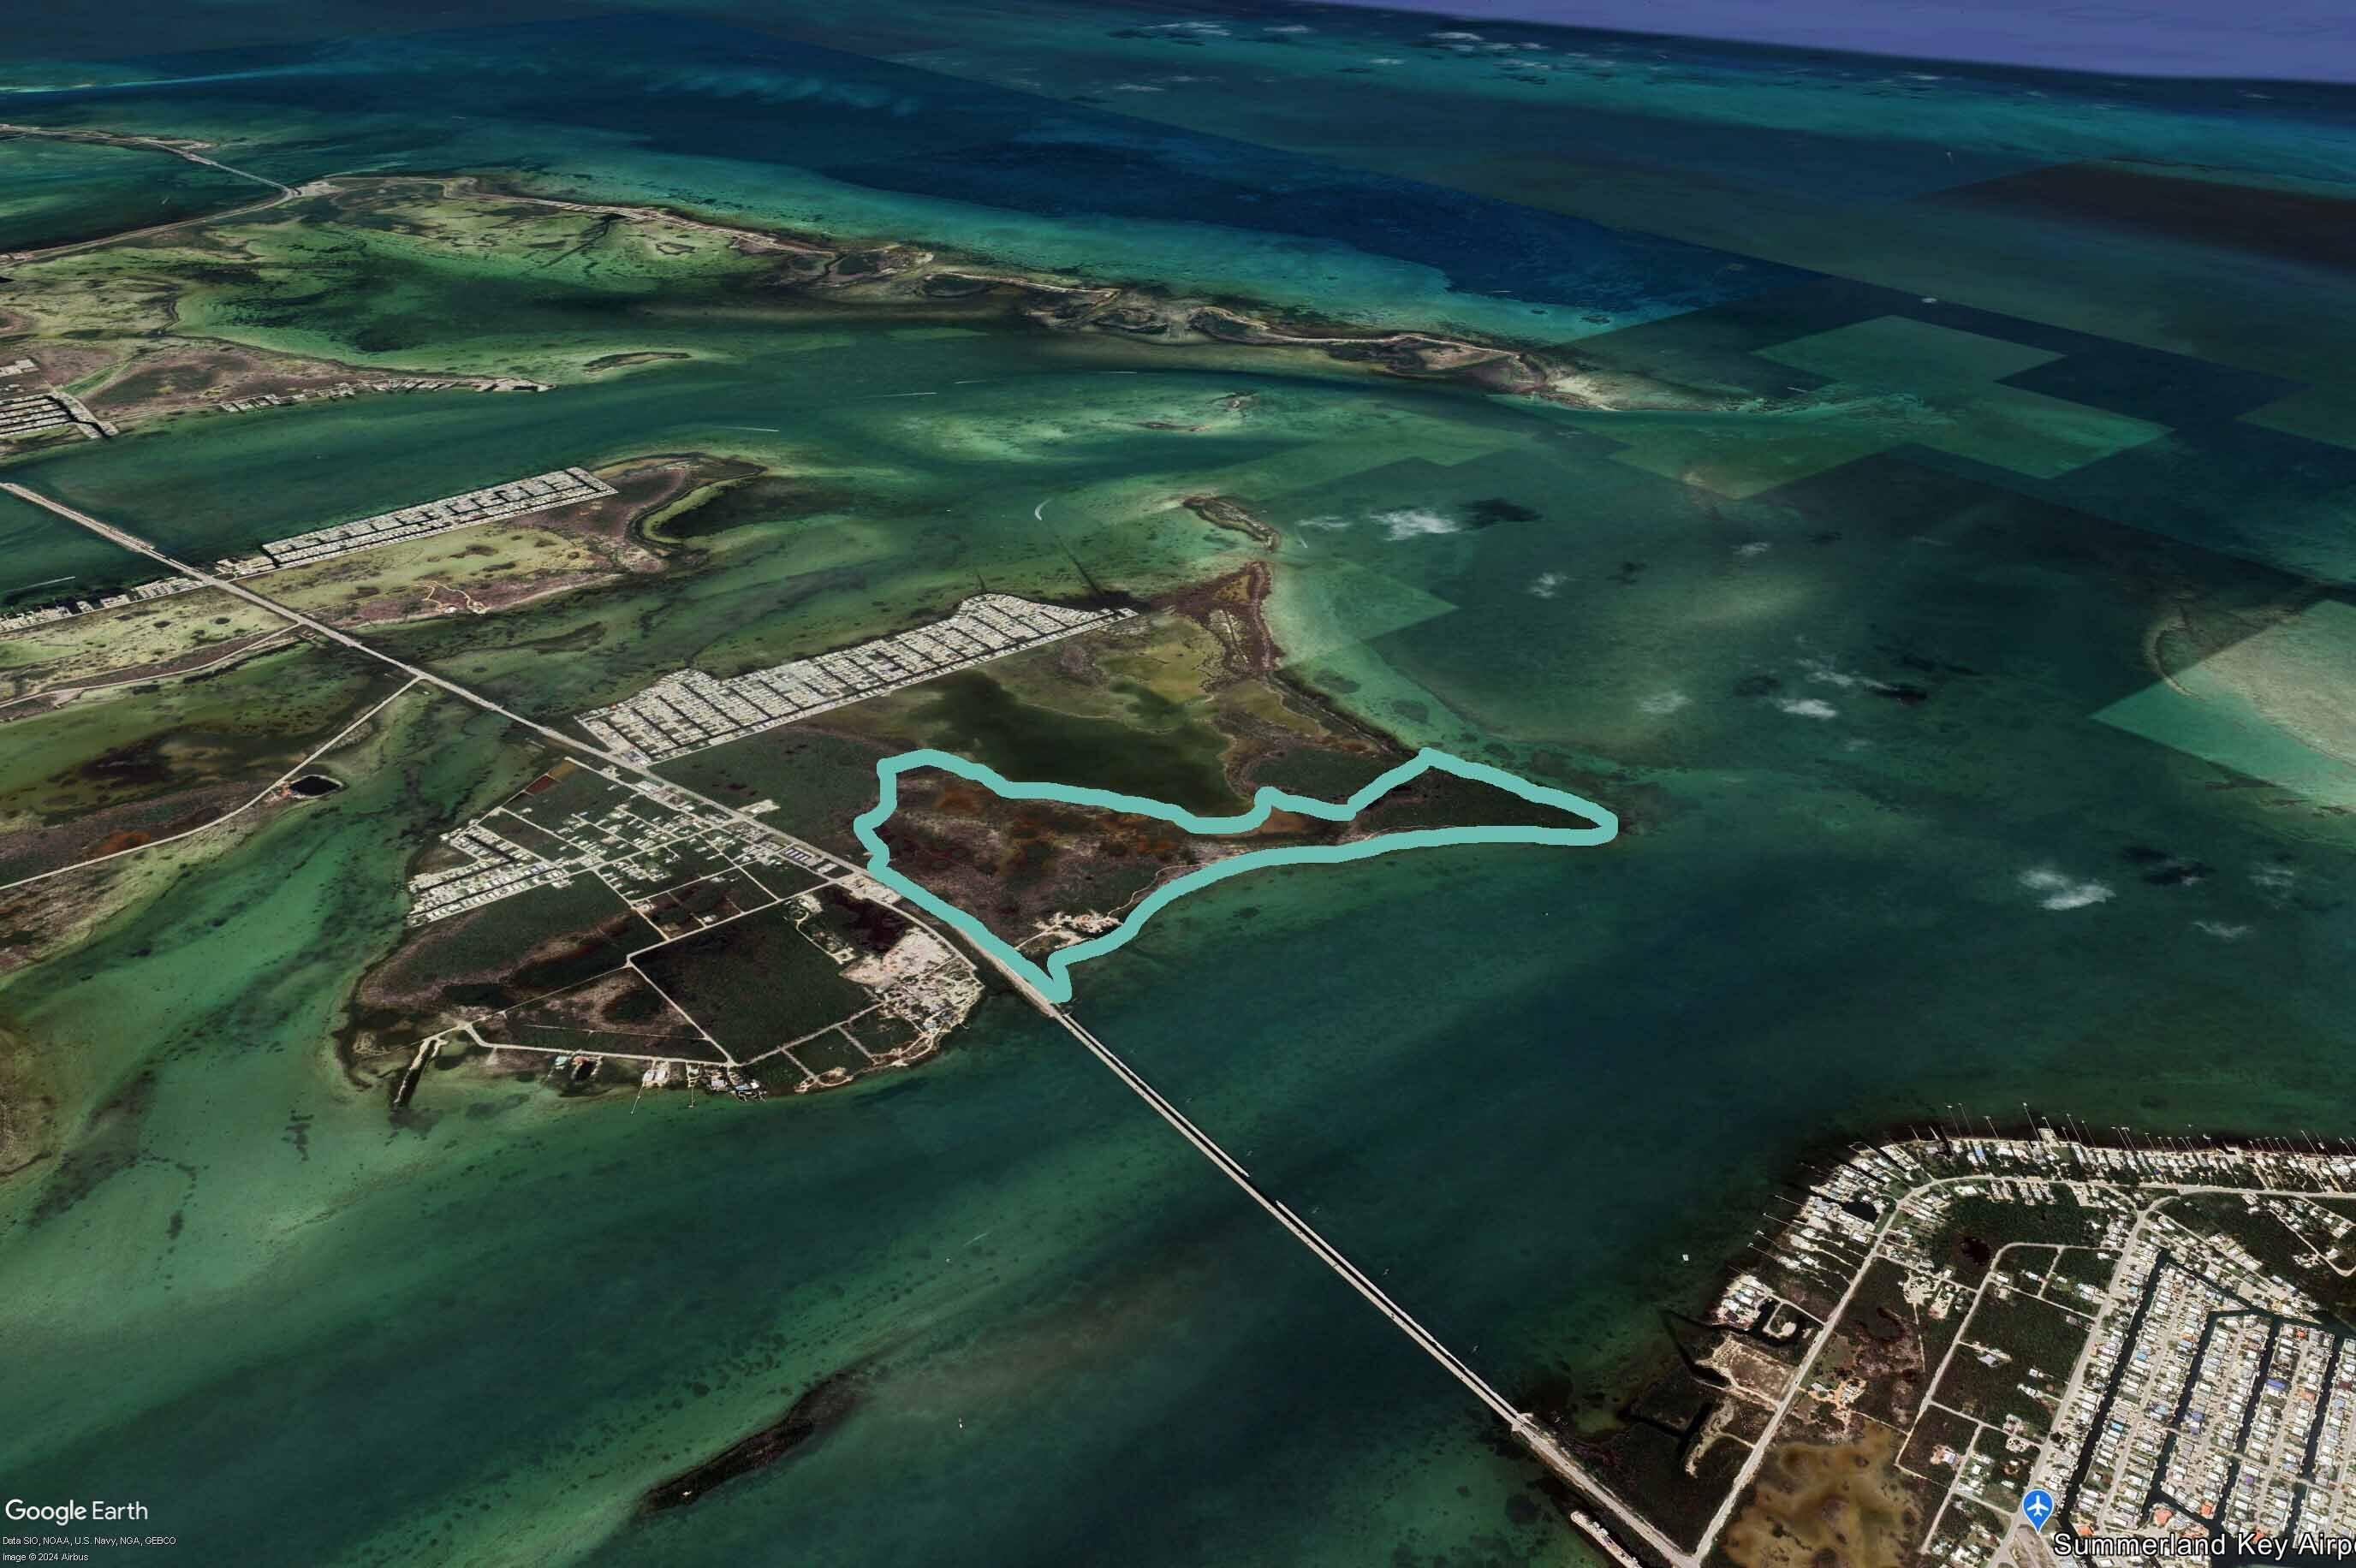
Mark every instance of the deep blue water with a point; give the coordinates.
(673, 87)
(1545, 1094)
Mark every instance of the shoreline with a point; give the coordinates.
(1139, 308)
(186, 148)
(1142, 309)
(1747, 1336)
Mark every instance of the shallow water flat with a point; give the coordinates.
(1938, 563)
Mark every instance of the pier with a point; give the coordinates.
(36, 413)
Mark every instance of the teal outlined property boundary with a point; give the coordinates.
(1054, 980)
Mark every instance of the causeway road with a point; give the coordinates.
(827, 865)
(1523, 1425)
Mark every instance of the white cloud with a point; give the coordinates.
(1756, 546)
(1414, 522)
(1661, 704)
(1335, 524)
(1458, 37)
(1825, 673)
(1386, 59)
(1547, 584)
(2062, 891)
(2275, 879)
(1137, 87)
(1806, 707)
(2221, 930)
(1293, 27)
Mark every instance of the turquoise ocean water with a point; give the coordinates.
(1838, 667)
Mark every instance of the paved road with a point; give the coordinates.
(1766, 1439)
(2019, 1531)
(102, 138)
(272, 787)
(830, 867)
(2118, 1297)
(1523, 1425)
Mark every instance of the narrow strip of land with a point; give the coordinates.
(281, 193)
(1055, 981)
(230, 652)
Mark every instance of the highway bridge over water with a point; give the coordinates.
(1523, 1425)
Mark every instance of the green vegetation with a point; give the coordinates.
(617, 1014)
(723, 895)
(818, 781)
(755, 983)
(832, 1052)
(1836, 652)
(2042, 1343)
(2275, 1247)
(1975, 1227)
(505, 952)
(1934, 1428)
(767, 498)
(974, 715)
(883, 1034)
(1879, 1341)
(113, 650)
(94, 775)
(2076, 1266)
